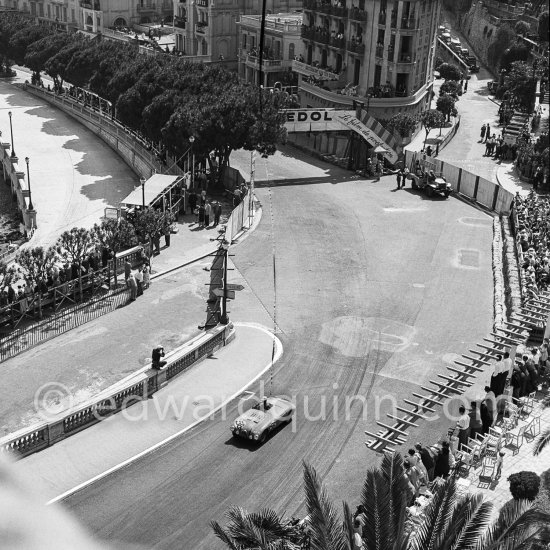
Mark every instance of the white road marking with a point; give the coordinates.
(278, 353)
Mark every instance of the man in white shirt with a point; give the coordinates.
(505, 373)
(463, 425)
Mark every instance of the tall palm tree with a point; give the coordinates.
(449, 522)
(265, 530)
(542, 441)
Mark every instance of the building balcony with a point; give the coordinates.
(268, 65)
(90, 5)
(310, 33)
(179, 22)
(357, 48)
(146, 8)
(339, 43)
(409, 23)
(200, 28)
(379, 51)
(325, 6)
(391, 99)
(357, 14)
(322, 73)
(201, 3)
(405, 59)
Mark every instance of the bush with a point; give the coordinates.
(448, 71)
(521, 27)
(524, 485)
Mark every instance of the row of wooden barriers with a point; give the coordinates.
(534, 315)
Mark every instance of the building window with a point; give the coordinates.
(244, 41)
(204, 47)
(291, 51)
(49, 12)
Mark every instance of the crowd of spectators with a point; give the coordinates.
(533, 236)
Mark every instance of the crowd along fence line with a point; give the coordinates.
(48, 311)
(480, 190)
(139, 386)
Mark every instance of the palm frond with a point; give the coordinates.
(470, 519)
(325, 527)
(384, 498)
(542, 441)
(518, 521)
(223, 536)
(347, 526)
(437, 515)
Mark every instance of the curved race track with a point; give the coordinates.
(376, 289)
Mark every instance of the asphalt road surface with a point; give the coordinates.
(376, 289)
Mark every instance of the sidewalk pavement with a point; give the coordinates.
(194, 394)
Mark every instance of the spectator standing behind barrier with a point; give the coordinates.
(217, 213)
(476, 425)
(427, 460)
(127, 271)
(132, 285)
(139, 281)
(399, 177)
(146, 276)
(488, 409)
(156, 362)
(192, 202)
(207, 213)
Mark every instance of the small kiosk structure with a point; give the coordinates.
(163, 191)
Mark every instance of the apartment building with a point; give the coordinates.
(379, 52)
(208, 28)
(282, 44)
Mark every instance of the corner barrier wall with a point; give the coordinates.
(135, 388)
(480, 190)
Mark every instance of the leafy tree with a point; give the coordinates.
(23, 38)
(35, 263)
(521, 83)
(402, 123)
(56, 66)
(522, 28)
(40, 51)
(451, 87)
(115, 235)
(449, 71)
(73, 246)
(438, 61)
(431, 119)
(504, 38)
(524, 485)
(516, 52)
(543, 26)
(151, 223)
(446, 104)
(7, 274)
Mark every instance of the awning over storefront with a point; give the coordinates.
(159, 191)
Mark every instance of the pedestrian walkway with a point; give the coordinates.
(194, 394)
(74, 175)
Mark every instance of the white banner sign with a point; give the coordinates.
(321, 120)
(310, 70)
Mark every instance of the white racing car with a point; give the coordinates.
(258, 422)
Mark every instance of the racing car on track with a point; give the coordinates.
(259, 421)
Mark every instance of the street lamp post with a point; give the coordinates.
(11, 130)
(191, 141)
(224, 318)
(142, 181)
(31, 207)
